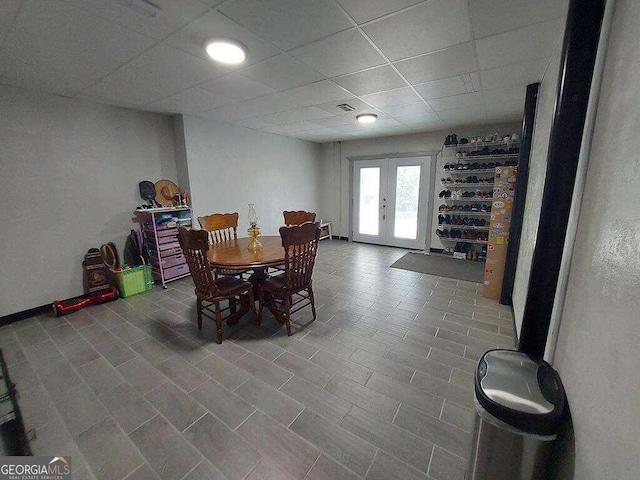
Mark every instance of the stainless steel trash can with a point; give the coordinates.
(520, 404)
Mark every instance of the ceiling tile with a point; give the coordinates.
(290, 128)
(489, 17)
(318, 134)
(444, 87)
(535, 41)
(419, 119)
(297, 115)
(257, 122)
(173, 15)
(62, 49)
(433, 66)
(192, 37)
(526, 72)
(404, 110)
(365, 10)
(505, 112)
(427, 127)
(358, 105)
(431, 26)
(157, 73)
(336, 121)
(319, 92)
(256, 107)
(237, 87)
(467, 100)
(282, 72)
(344, 52)
(382, 132)
(513, 94)
(191, 101)
(400, 96)
(476, 115)
(287, 23)
(370, 81)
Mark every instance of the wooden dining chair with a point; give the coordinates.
(293, 290)
(221, 227)
(210, 291)
(299, 217)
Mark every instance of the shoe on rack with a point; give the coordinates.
(463, 141)
(454, 139)
(441, 194)
(447, 140)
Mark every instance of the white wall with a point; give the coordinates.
(598, 349)
(535, 186)
(69, 173)
(335, 180)
(230, 167)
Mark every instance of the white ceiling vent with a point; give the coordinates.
(141, 7)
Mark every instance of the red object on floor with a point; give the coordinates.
(65, 307)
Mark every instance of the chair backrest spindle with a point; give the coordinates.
(221, 226)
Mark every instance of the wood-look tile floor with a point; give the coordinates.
(379, 387)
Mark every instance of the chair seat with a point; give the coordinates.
(274, 284)
(228, 285)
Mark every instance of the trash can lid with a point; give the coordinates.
(521, 391)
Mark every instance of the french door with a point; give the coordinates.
(390, 201)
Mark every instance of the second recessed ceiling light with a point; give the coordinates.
(367, 118)
(225, 50)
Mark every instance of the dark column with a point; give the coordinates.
(582, 33)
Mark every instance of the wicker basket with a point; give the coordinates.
(132, 281)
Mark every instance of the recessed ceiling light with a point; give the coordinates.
(225, 50)
(367, 118)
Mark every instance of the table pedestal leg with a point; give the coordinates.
(258, 275)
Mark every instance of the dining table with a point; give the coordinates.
(235, 254)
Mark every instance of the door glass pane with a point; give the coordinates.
(407, 193)
(369, 200)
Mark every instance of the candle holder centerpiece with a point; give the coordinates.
(253, 230)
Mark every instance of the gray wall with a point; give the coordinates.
(69, 173)
(598, 349)
(230, 167)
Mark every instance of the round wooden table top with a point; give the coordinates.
(236, 254)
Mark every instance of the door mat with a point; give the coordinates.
(442, 266)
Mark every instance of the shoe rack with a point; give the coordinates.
(467, 180)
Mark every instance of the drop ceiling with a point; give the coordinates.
(419, 65)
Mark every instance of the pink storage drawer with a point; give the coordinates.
(176, 271)
(161, 232)
(167, 262)
(168, 239)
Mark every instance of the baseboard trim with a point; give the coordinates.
(32, 312)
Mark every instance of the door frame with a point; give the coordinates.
(430, 171)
